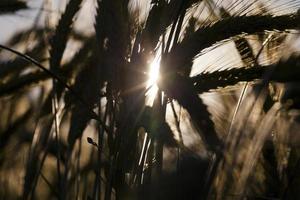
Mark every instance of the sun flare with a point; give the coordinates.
(152, 81)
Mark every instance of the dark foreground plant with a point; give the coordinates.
(78, 123)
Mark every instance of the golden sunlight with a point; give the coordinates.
(152, 81)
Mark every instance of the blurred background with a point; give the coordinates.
(104, 112)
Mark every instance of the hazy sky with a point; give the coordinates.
(10, 23)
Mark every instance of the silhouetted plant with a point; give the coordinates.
(77, 122)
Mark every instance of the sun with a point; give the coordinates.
(152, 81)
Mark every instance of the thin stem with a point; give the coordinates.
(59, 79)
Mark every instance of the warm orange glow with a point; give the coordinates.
(152, 81)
